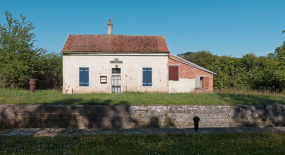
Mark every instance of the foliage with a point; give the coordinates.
(132, 98)
(49, 75)
(280, 69)
(246, 73)
(18, 55)
(20, 60)
(223, 143)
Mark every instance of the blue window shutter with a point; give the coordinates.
(83, 76)
(147, 76)
(86, 82)
(144, 77)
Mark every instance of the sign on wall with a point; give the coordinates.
(116, 60)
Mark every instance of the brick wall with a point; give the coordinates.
(189, 72)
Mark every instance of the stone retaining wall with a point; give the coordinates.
(123, 116)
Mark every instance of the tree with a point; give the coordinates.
(280, 69)
(202, 58)
(271, 55)
(18, 55)
(50, 71)
(246, 73)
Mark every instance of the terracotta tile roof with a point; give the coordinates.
(115, 43)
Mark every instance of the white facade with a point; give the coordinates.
(101, 64)
(181, 86)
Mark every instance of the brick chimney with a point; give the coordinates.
(109, 25)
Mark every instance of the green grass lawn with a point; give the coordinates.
(9, 96)
(235, 143)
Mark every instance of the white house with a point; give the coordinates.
(116, 63)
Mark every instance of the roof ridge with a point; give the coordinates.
(114, 35)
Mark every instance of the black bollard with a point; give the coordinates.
(196, 120)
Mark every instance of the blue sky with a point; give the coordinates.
(223, 27)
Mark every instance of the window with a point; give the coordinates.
(84, 76)
(147, 76)
(173, 73)
(103, 79)
(202, 82)
(116, 70)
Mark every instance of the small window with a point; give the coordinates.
(103, 79)
(202, 82)
(116, 70)
(147, 76)
(173, 73)
(84, 76)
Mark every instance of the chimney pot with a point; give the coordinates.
(109, 27)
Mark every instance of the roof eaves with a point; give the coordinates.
(166, 43)
(65, 42)
(193, 65)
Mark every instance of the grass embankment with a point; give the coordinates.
(8, 96)
(237, 143)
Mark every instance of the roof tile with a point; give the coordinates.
(115, 43)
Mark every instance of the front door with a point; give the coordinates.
(116, 84)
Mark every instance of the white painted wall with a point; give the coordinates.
(131, 71)
(181, 86)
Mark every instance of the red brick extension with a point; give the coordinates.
(186, 71)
